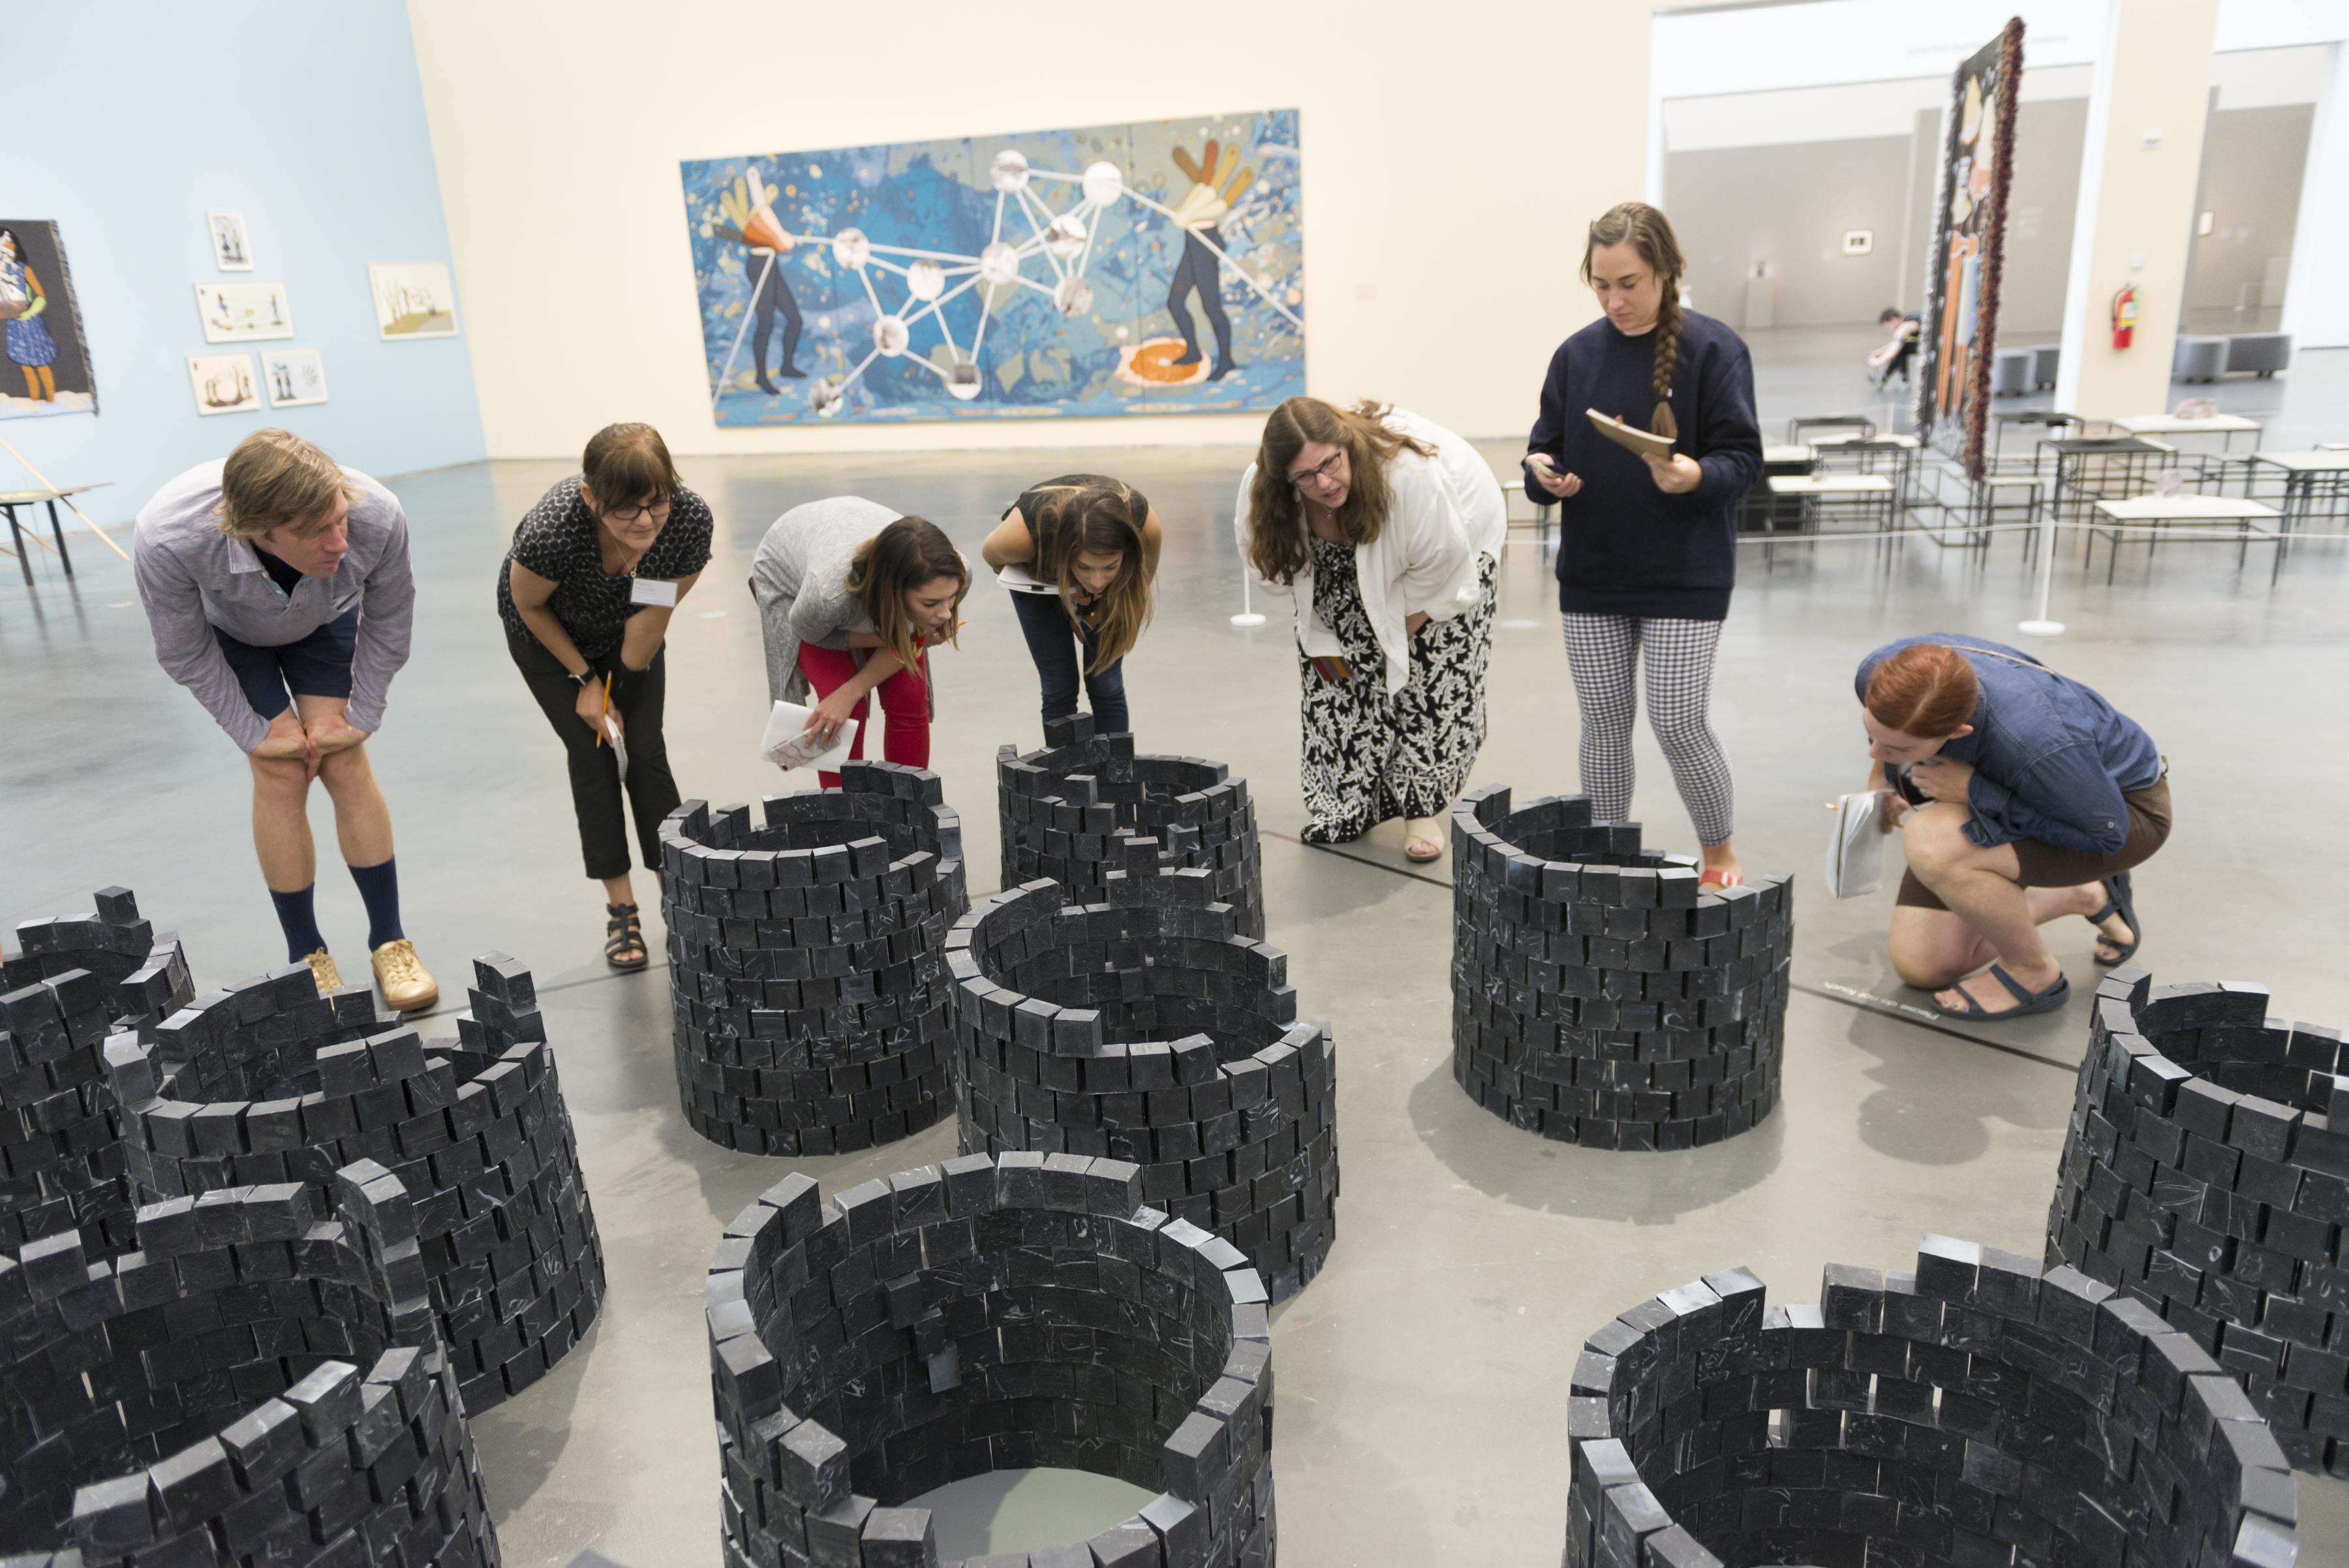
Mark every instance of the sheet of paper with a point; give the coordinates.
(1019, 579)
(1855, 848)
(786, 744)
(652, 591)
(1631, 437)
(619, 746)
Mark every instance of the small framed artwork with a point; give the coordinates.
(412, 300)
(223, 383)
(231, 252)
(243, 312)
(1858, 242)
(293, 376)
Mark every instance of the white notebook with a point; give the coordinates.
(787, 745)
(1855, 847)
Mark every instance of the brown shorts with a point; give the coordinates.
(2045, 865)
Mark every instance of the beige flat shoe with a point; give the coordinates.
(1422, 839)
(400, 975)
(323, 970)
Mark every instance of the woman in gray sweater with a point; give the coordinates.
(852, 596)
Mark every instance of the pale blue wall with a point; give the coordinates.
(126, 122)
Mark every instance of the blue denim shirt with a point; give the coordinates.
(2051, 758)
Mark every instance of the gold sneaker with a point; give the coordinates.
(400, 976)
(323, 970)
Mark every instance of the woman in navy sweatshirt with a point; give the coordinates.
(1647, 545)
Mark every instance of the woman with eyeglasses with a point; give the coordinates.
(597, 569)
(1089, 544)
(1387, 531)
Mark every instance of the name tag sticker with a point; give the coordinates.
(652, 591)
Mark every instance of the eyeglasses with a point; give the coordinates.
(1321, 474)
(637, 513)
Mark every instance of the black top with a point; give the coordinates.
(557, 539)
(1031, 504)
(285, 573)
(1625, 547)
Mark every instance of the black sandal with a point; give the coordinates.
(2046, 1001)
(623, 932)
(2117, 902)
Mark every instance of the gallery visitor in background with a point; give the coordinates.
(1648, 543)
(1891, 356)
(278, 590)
(1387, 531)
(852, 596)
(596, 568)
(1087, 546)
(2034, 799)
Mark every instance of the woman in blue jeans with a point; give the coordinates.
(1087, 549)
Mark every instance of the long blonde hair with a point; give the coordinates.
(901, 557)
(1071, 519)
(1277, 525)
(1649, 232)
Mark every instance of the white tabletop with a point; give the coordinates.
(2329, 461)
(1855, 438)
(2170, 424)
(1786, 455)
(2184, 509)
(1824, 483)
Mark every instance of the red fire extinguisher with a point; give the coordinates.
(2124, 316)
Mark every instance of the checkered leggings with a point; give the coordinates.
(1602, 651)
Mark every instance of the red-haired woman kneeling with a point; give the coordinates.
(2034, 799)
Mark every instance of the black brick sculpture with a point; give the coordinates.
(806, 968)
(1597, 998)
(75, 977)
(1974, 1413)
(269, 1083)
(1147, 1028)
(1068, 810)
(255, 1384)
(2206, 1172)
(985, 1315)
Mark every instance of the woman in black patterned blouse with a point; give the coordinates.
(596, 568)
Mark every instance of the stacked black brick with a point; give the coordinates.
(74, 978)
(252, 1385)
(271, 1082)
(1971, 1414)
(1597, 998)
(1148, 1029)
(2206, 1172)
(985, 1315)
(806, 967)
(1068, 810)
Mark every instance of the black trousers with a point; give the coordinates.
(636, 698)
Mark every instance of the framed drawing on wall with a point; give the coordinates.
(243, 311)
(1858, 242)
(223, 383)
(293, 376)
(232, 251)
(44, 354)
(412, 300)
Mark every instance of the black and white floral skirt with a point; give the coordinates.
(1369, 756)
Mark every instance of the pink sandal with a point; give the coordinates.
(1720, 881)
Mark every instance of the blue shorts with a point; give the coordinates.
(318, 665)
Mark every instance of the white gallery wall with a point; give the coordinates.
(1448, 176)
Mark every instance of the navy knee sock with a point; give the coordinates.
(300, 920)
(380, 891)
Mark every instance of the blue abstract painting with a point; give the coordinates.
(1150, 268)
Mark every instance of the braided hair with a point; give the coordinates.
(1649, 232)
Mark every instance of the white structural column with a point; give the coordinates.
(2136, 219)
(2315, 303)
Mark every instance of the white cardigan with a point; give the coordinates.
(1448, 515)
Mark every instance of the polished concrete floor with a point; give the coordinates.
(1424, 1374)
